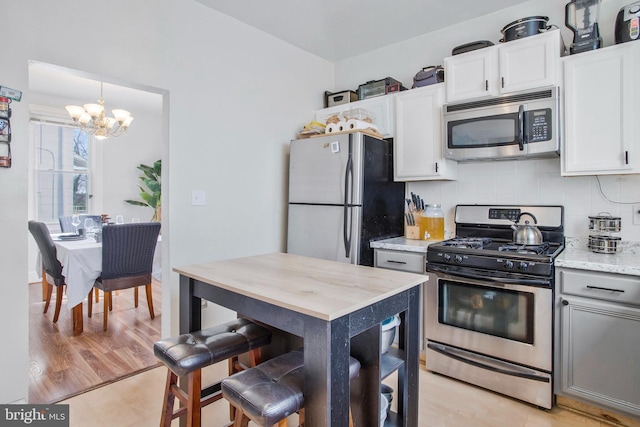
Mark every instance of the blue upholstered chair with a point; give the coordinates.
(127, 261)
(51, 267)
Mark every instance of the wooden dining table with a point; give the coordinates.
(337, 309)
(81, 261)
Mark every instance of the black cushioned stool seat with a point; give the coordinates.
(187, 354)
(270, 392)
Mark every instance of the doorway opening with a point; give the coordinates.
(63, 365)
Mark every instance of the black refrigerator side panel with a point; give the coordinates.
(383, 199)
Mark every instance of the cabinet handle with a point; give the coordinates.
(598, 288)
(436, 167)
(502, 80)
(626, 157)
(486, 85)
(396, 262)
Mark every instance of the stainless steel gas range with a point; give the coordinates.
(489, 302)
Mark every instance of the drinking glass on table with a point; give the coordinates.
(135, 221)
(75, 221)
(88, 225)
(119, 219)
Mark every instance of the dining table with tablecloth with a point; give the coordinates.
(81, 261)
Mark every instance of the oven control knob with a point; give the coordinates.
(459, 259)
(523, 266)
(446, 257)
(508, 264)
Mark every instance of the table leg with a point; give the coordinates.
(76, 317)
(408, 375)
(326, 367)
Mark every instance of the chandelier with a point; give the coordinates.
(91, 119)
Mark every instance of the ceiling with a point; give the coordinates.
(340, 29)
(75, 87)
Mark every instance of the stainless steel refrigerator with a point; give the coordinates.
(342, 196)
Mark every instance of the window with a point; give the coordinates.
(61, 170)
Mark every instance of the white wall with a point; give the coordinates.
(236, 97)
(530, 181)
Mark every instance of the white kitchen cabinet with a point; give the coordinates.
(528, 63)
(597, 336)
(601, 100)
(418, 146)
(380, 106)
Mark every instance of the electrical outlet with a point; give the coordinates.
(636, 214)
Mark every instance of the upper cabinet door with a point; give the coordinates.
(418, 154)
(517, 65)
(530, 62)
(601, 107)
(470, 75)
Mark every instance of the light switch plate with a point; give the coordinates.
(636, 214)
(198, 197)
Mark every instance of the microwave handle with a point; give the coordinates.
(521, 127)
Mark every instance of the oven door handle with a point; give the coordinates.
(451, 352)
(480, 275)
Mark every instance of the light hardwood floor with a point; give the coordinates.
(62, 365)
(444, 402)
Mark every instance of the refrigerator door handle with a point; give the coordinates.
(348, 184)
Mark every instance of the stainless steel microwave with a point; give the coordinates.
(515, 126)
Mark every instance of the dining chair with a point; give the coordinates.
(127, 261)
(51, 267)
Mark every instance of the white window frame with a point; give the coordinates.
(55, 117)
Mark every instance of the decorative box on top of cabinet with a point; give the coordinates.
(381, 107)
(601, 102)
(418, 146)
(597, 339)
(513, 66)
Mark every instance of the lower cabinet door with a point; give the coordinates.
(600, 353)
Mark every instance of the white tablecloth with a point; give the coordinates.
(82, 264)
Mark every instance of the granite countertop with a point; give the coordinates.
(577, 255)
(402, 244)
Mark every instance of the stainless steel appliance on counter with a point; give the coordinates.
(489, 302)
(342, 196)
(518, 125)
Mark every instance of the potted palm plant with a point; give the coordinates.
(150, 188)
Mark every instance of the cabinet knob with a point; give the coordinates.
(565, 302)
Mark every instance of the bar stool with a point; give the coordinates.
(187, 354)
(273, 390)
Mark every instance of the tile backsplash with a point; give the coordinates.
(538, 182)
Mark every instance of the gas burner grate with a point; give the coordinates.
(468, 242)
(540, 249)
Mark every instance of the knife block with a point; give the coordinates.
(412, 232)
